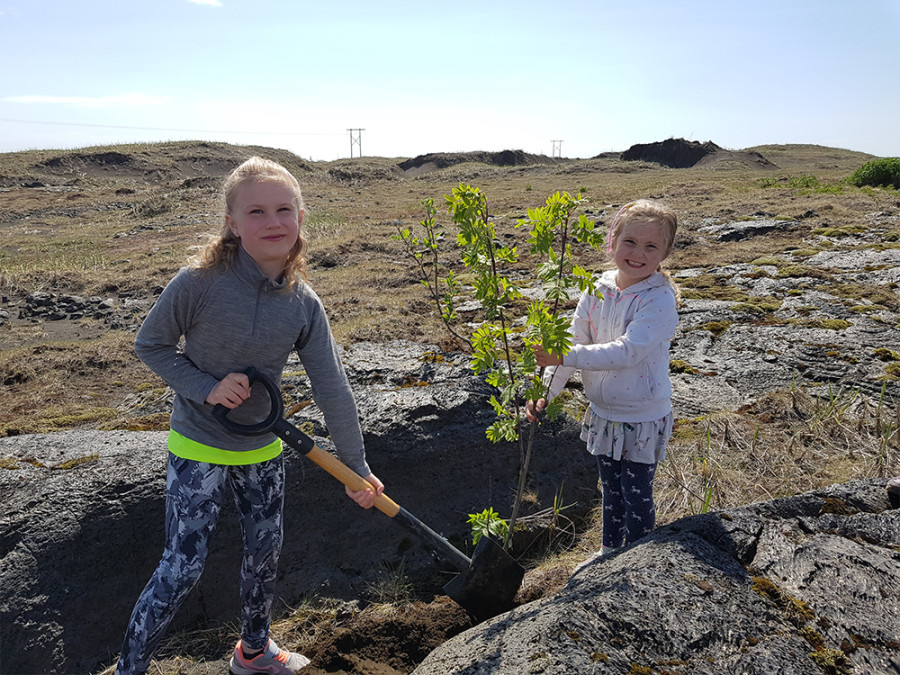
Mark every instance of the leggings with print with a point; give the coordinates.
(194, 496)
(628, 509)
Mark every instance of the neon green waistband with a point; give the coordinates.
(184, 447)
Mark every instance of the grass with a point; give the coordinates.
(785, 443)
(96, 228)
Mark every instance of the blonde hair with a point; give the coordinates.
(222, 248)
(647, 211)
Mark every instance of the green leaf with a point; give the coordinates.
(488, 522)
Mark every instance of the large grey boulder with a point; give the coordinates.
(84, 510)
(806, 584)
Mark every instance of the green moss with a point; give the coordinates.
(842, 231)
(892, 371)
(730, 293)
(710, 287)
(832, 661)
(758, 305)
(599, 657)
(85, 416)
(679, 366)
(867, 309)
(767, 260)
(885, 354)
(8, 463)
(804, 252)
(796, 611)
(794, 271)
(877, 295)
(72, 463)
(715, 327)
(747, 307)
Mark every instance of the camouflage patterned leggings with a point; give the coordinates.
(194, 496)
(628, 509)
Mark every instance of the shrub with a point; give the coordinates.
(879, 173)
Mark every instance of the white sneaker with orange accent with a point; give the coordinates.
(271, 660)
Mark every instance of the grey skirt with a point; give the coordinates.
(641, 442)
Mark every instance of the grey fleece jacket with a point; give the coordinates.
(233, 319)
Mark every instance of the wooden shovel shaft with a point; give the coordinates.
(296, 438)
(351, 479)
(300, 441)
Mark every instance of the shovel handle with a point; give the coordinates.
(291, 435)
(324, 459)
(351, 479)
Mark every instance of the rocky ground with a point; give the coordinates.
(789, 280)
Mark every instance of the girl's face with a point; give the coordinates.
(640, 248)
(266, 219)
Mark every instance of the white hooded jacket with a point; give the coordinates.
(621, 346)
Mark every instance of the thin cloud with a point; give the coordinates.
(116, 101)
(208, 3)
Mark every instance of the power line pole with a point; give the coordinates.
(557, 149)
(355, 139)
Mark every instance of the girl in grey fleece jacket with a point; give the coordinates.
(243, 302)
(621, 337)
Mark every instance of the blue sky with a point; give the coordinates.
(420, 76)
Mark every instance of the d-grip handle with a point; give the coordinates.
(275, 423)
(276, 411)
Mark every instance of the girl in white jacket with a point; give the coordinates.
(621, 340)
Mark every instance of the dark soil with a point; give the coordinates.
(381, 640)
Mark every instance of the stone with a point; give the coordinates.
(84, 510)
(805, 584)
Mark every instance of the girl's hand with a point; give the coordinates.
(230, 391)
(545, 359)
(533, 409)
(366, 498)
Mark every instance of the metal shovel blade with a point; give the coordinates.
(489, 585)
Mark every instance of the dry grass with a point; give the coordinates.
(121, 220)
(785, 443)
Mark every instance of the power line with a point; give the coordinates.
(190, 131)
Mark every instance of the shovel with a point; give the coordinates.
(486, 583)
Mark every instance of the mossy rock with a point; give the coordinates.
(679, 366)
(715, 327)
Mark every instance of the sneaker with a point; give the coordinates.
(271, 660)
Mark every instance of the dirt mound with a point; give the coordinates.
(441, 160)
(676, 153)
